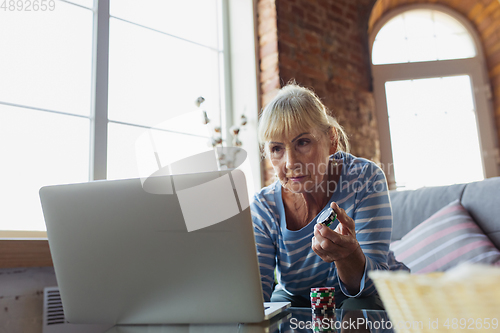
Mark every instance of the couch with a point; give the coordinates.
(480, 199)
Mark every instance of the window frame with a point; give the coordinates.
(241, 91)
(474, 67)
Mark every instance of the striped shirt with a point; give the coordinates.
(362, 192)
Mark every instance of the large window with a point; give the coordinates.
(176, 51)
(45, 104)
(433, 99)
(81, 81)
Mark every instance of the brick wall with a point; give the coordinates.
(323, 45)
(484, 16)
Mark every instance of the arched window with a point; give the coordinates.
(433, 99)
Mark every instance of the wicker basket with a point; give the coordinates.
(464, 299)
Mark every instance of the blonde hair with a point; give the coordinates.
(297, 109)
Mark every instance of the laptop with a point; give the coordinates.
(54, 322)
(180, 250)
(268, 326)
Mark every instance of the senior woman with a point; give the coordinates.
(307, 149)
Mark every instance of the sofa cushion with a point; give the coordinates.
(410, 208)
(447, 238)
(482, 201)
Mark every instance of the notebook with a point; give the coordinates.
(179, 250)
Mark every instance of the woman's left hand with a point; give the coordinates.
(334, 245)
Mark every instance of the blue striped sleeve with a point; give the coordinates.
(264, 229)
(373, 220)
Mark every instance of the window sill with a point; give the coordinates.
(24, 249)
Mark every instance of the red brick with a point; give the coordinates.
(351, 17)
(311, 38)
(311, 17)
(491, 6)
(309, 7)
(313, 73)
(312, 28)
(353, 8)
(286, 48)
(494, 69)
(314, 50)
(287, 38)
(355, 38)
(284, 8)
(475, 11)
(286, 74)
(323, 4)
(297, 31)
(465, 6)
(340, 22)
(493, 50)
(356, 57)
(297, 11)
(336, 9)
(301, 57)
(287, 61)
(495, 81)
(496, 14)
(313, 61)
(342, 52)
(494, 58)
(491, 30)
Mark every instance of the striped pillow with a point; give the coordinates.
(445, 239)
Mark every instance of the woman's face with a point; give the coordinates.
(300, 161)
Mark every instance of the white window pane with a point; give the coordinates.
(85, 3)
(432, 145)
(418, 24)
(425, 96)
(394, 29)
(46, 58)
(154, 77)
(38, 149)
(459, 98)
(455, 47)
(422, 49)
(399, 106)
(444, 25)
(171, 147)
(194, 20)
(390, 52)
(122, 162)
(189, 123)
(431, 35)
